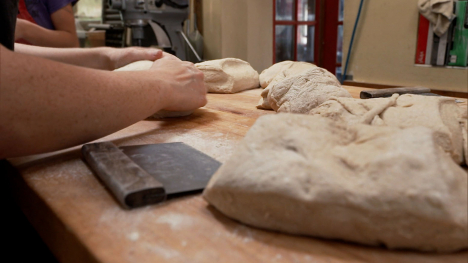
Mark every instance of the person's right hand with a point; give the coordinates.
(185, 83)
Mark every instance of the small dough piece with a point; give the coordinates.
(441, 114)
(145, 65)
(303, 92)
(374, 185)
(276, 73)
(263, 102)
(228, 75)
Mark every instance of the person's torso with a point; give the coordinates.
(8, 12)
(38, 10)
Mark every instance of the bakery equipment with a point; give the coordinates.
(156, 23)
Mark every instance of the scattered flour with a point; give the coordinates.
(165, 252)
(134, 236)
(175, 221)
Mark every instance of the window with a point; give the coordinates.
(294, 27)
(339, 42)
(309, 30)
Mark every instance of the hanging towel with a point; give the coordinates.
(439, 12)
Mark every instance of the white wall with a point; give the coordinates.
(239, 28)
(385, 46)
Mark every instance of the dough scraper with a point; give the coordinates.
(383, 93)
(140, 175)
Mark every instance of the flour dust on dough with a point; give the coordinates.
(441, 114)
(145, 65)
(228, 75)
(375, 185)
(303, 92)
(282, 70)
(276, 73)
(297, 87)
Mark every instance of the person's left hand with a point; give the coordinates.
(119, 57)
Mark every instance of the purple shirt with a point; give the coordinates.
(41, 10)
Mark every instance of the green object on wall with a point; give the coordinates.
(459, 50)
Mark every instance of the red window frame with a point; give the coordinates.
(326, 32)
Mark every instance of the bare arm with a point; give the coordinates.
(64, 34)
(46, 105)
(99, 58)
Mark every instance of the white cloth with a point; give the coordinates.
(439, 12)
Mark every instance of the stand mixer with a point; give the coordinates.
(156, 22)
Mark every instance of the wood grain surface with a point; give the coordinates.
(81, 222)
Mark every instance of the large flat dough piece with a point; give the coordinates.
(441, 114)
(303, 92)
(228, 75)
(145, 65)
(374, 185)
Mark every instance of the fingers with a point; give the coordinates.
(149, 54)
(155, 54)
(139, 53)
(169, 56)
(120, 57)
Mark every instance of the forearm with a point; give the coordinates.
(46, 106)
(97, 58)
(41, 36)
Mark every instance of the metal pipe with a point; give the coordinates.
(190, 45)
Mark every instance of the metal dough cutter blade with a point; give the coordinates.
(147, 174)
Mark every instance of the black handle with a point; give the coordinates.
(129, 183)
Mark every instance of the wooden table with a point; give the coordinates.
(81, 222)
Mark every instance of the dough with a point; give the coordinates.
(464, 129)
(270, 73)
(228, 75)
(373, 185)
(136, 66)
(276, 73)
(441, 114)
(282, 70)
(145, 65)
(303, 92)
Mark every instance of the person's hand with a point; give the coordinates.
(119, 57)
(21, 27)
(186, 86)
